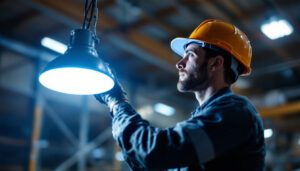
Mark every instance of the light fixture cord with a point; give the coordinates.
(91, 10)
(95, 16)
(86, 10)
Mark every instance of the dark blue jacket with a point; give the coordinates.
(224, 133)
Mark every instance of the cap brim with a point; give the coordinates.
(178, 44)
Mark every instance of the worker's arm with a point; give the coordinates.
(221, 128)
(144, 146)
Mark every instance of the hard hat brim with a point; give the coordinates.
(178, 44)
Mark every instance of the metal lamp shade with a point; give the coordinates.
(79, 71)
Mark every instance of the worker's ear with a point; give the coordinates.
(216, 63)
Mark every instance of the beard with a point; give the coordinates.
(194, 81)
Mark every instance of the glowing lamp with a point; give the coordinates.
(79, 70)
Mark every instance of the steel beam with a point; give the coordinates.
(38, 106)
(25, 49)
(90, 146)
(8, 68)
(286, 109)
(83, 132)
(34, 154)
(61, 125)
(276, 67)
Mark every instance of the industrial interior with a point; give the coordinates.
(46, 130)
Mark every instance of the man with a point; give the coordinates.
(224, 133)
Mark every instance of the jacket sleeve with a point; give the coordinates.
(228, 124)
(144, 146)
(218, 130)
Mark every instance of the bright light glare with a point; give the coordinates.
(76, 81)
(268, 133)
(54, 45)
(164, 109)
(145, 111)
(277, 28)
(119, 156)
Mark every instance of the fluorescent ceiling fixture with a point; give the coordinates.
(164, 109)
(277, 28)
(54, 45)
(268, 133)
(77, 81)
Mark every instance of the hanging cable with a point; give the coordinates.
(95, 16)
(90, 13)
(86, 10)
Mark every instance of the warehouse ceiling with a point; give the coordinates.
(134, 39)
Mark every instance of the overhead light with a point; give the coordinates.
(54, 45)
(79, 70)
(276, 28)
(164, 109)
(75, 80)
(268, 133)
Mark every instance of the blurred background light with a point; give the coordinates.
(98, 153)
(145, 110)
(54, 45)
(276, 28)
(119, 156)
(268, 133)
(164, 109)
(43, 143)
(242, 83)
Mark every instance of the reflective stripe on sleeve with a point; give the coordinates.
(202, 143)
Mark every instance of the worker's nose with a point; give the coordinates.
(181, 64)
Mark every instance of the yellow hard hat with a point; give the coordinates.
(220, 34)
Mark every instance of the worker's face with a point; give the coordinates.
(192, 70)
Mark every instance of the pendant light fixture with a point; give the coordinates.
(79, 70)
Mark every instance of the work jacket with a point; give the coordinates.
(224, 133)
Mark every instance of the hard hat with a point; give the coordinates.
(216, 33)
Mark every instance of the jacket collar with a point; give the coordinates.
(222, 91)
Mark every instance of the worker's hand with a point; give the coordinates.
(114, 96)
